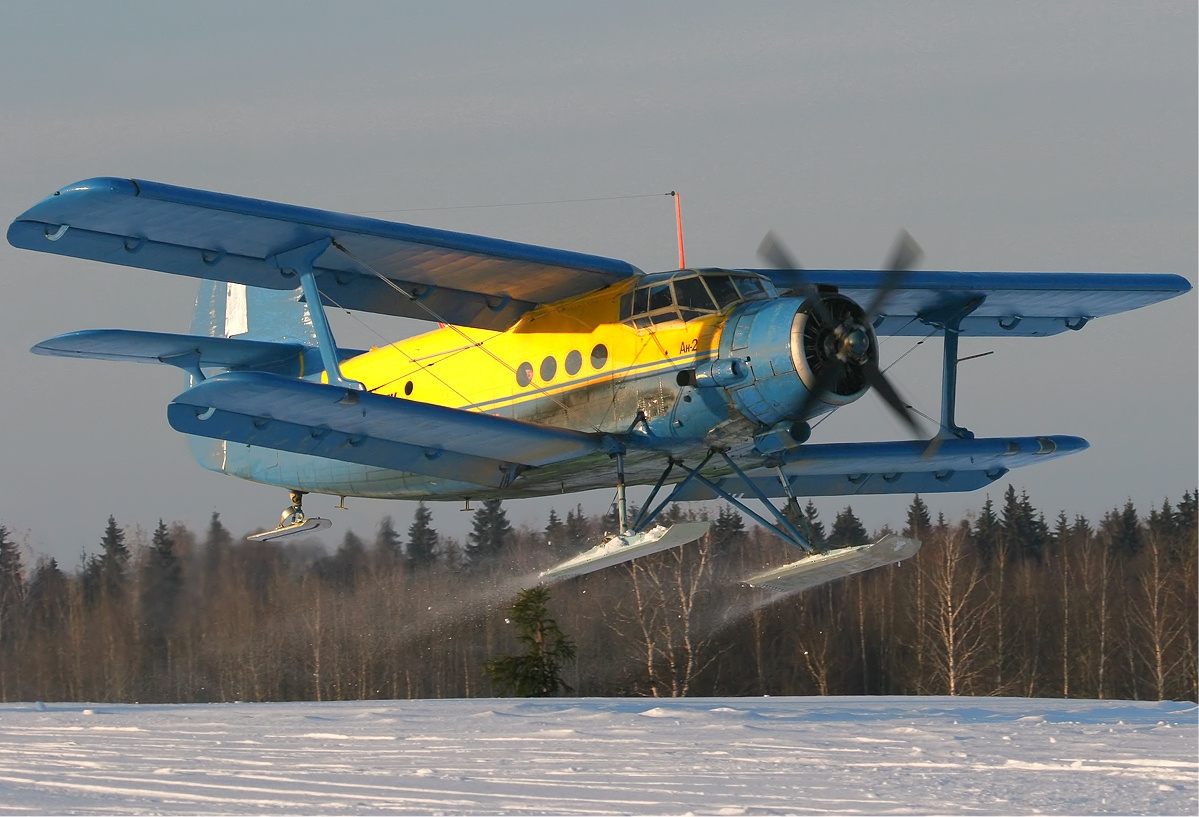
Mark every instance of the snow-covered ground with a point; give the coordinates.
(604, 756)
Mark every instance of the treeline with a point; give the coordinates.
(1003, 602)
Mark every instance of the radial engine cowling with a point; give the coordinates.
(773, 352)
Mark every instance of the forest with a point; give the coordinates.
(1002, 602)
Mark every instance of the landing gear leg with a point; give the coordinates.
(292, 522)
(295, 514)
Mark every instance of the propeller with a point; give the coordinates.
(848, 343)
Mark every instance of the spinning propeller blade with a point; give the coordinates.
(904, 254)
(773, 251)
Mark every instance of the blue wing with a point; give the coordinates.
(370, 429)
(1005, 304)
(840, 469)
(463, 279)
(188, 352)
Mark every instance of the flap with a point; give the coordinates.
(389, 432)
(1012, 304)
(464, 279)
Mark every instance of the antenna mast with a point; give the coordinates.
(678, 220)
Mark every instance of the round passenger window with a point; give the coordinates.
(574, 362)
(408, 388)
(549, 367)
(524, 374)
(599, 356)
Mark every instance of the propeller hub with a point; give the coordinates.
(855, 344)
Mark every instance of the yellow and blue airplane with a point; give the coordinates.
(552, 371)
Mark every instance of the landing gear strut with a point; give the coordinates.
(292, 522)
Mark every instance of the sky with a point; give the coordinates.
(1054, 136)
(724, 756)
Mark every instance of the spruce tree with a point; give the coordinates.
(538, 672)
(1024, 530)
(422, 540)
(919, 523)
(1124, 527)
(348, 564)
(489, 531)
(848, 530)
(161, 585)
(987, 532)
(114, 557)
(728, 528)
(389, 548)
(12, 587)
(555, 534)
(49, 597)
(578, 532)
(815, 526)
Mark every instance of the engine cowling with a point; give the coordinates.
(772, 354)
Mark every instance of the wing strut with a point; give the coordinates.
(300, 260)
(949, 320)
(635, 540)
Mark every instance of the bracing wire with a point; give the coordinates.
(516, 204)
(432, 313)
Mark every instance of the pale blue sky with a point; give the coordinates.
(1031, 137)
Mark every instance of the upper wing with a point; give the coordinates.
(371, 429)
(1009, 304)
(462, 279)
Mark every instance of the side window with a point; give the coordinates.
(626, 306)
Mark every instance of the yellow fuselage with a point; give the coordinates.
(571, 364)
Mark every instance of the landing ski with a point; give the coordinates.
(836, 564)
(310, 524)
(627, 546)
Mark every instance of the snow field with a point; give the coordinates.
(888, 755)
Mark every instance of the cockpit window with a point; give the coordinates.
(659, 297)
(693, 298)
(687, 295)
(722, 290)
(751, 288)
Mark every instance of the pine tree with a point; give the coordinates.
(555, 532)
(848, 530)
(1186, 513)
(538, 672)
(815, 526)
(489, 531)
(348, 564)
(217, 544)
(728, 528)
(1124, 527)
(987, 532)
(1024, 530)
(161, 585)
(12, 587)
(422, 539)
(49, 596)
(114, 557)
(919, 524)
(578, 532)
(389, 548)
(611, 521)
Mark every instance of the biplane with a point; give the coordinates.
(551, 371)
